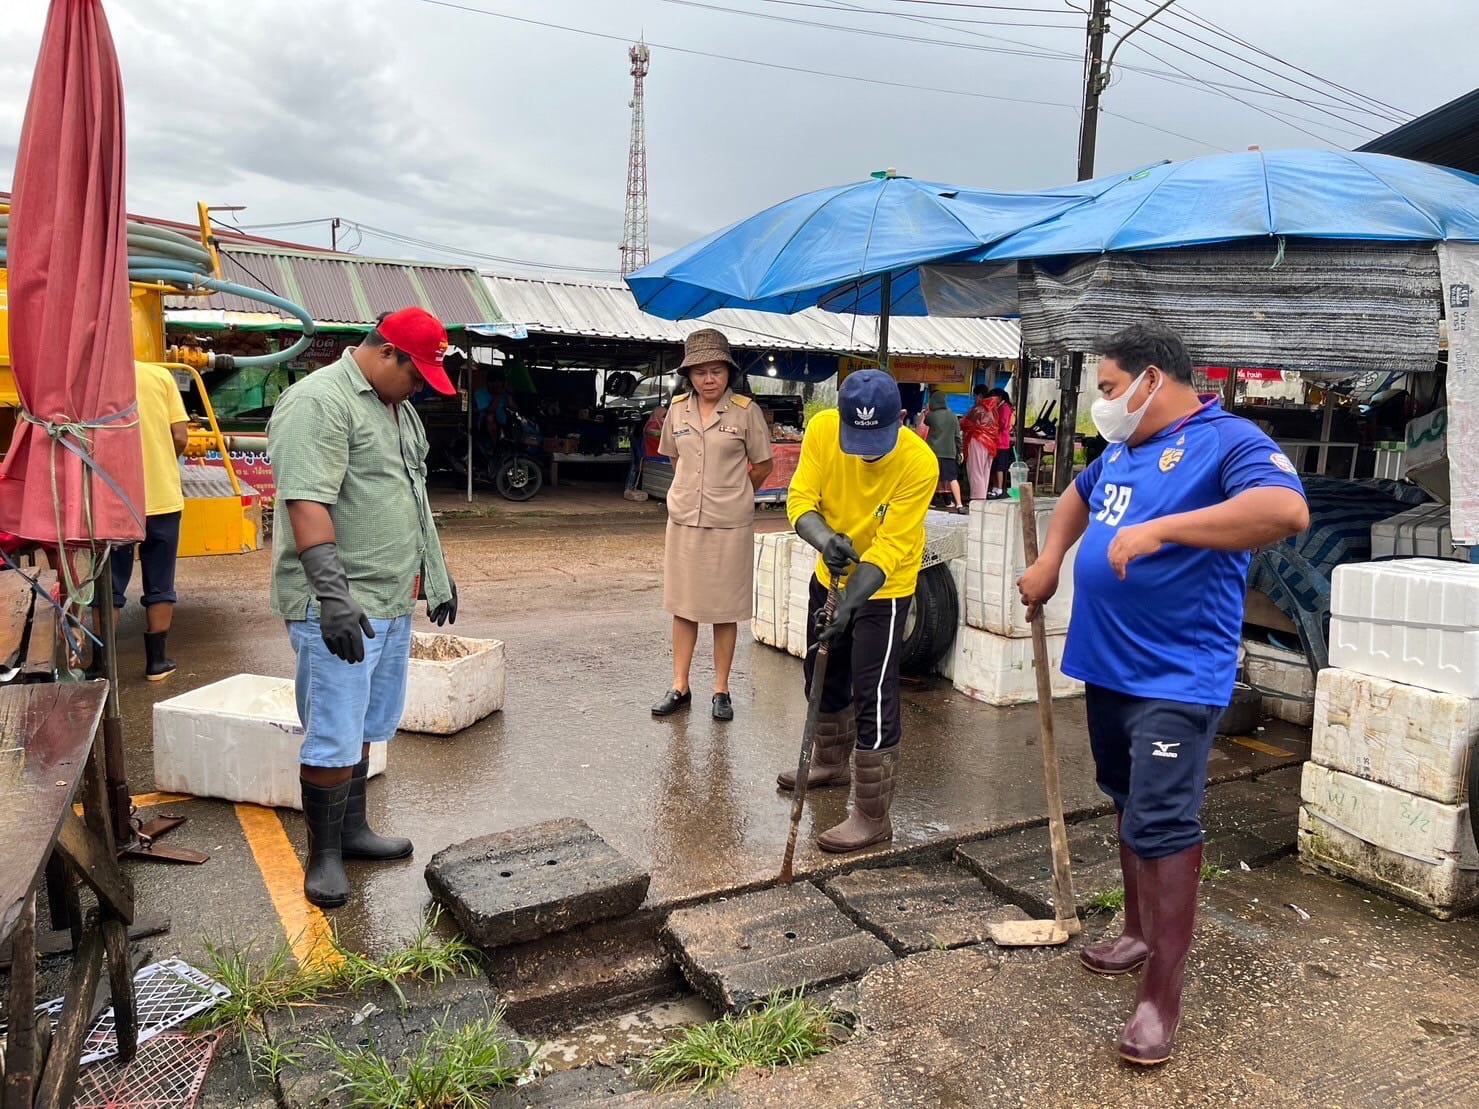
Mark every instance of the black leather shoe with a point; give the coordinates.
(671, 702)
(723, 709)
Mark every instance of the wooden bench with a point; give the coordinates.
(47, 757)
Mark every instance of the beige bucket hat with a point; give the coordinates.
(707, 345)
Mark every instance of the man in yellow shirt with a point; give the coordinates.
(859, 496)
(163, 430)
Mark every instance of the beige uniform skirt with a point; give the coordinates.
(709, 573)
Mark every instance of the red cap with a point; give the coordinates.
(416, 332)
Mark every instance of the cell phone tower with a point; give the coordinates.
(634, 232)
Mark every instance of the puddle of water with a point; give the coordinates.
(623, 1035)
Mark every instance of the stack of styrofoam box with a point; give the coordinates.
(1396, 719)
(1421, 532)
(238, 739)
(992, 657)
(803, 566)
(1274, 671)
(772, 587)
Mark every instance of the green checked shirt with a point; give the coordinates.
(332, 440)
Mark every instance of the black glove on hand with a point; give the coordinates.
(344, 624)
(862, 583)
(836, 549)
(446, 612)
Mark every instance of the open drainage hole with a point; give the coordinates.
(505, 874)
(550, 862)
(790, 935)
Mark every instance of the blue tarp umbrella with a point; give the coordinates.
(1321, 194)
(790, 256)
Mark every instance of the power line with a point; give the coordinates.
(953, 19)
(1265, 69)
(1282, 117)
(1218, 65)
(853, 77)
(1207, 24)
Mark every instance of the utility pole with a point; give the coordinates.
(1088, 134)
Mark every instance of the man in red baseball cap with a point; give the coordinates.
(414, 335)
(354, 536)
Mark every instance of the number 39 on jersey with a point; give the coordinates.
(1116, 503)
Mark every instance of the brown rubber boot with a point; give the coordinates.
(872, 796)
(837, 734)
(1126, 952)
(1168, 912)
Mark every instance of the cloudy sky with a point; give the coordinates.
(444, 123)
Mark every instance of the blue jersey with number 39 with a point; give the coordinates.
(1170, 630)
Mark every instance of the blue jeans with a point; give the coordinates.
(343, 705)
(1150, 757)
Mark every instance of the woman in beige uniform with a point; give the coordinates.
(720, 447)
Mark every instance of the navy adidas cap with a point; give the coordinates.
(869, 404)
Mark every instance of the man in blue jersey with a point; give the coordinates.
(1168, 516)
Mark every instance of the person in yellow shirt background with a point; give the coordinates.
(859, 496)
(163, 430)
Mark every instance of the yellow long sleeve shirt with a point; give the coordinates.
(879, 505)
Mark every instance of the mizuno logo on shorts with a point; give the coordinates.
(1164, 750)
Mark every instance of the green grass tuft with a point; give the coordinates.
(1211, 872)
(257, 987)
(426, 957)
(1106, 901)
(783, 1030)
(451, 1068)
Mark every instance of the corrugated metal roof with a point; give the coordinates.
(607, 310)
(1446, 136)
(349, 289)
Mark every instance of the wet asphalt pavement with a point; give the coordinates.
(578, 603)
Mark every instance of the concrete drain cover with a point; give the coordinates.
(920, 908)
(736, 952)
(515, 886)
(1017, 865)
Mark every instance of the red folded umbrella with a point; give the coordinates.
(74, 472)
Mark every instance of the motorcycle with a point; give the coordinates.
(513, 465)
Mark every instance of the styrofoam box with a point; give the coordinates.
(237, 739)
(803, 567)
(452, 683)
(772, 587)
(1400, 735)
(1421, 532)
(997, 669)
(946, 665)
(1273, 668)
(1413, 620)
(1414, 848)
(994, 561)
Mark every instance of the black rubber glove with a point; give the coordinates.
(837, 549)
(344, 624)
(862, 583)
(446, 612)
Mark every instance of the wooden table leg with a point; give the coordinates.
(20, 1039)
(60, 1076)
(121, 986)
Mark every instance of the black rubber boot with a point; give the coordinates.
(156, 666)
(359, 841)
(324, 881)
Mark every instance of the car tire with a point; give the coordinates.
(933, 617)
(1243, 712)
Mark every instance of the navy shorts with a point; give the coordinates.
(157, 555)
(1150, 757)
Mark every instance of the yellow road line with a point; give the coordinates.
(305, 925)
(1262, 747)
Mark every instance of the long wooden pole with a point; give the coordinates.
(1065, 904)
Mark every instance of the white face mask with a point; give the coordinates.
(1113, 418)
